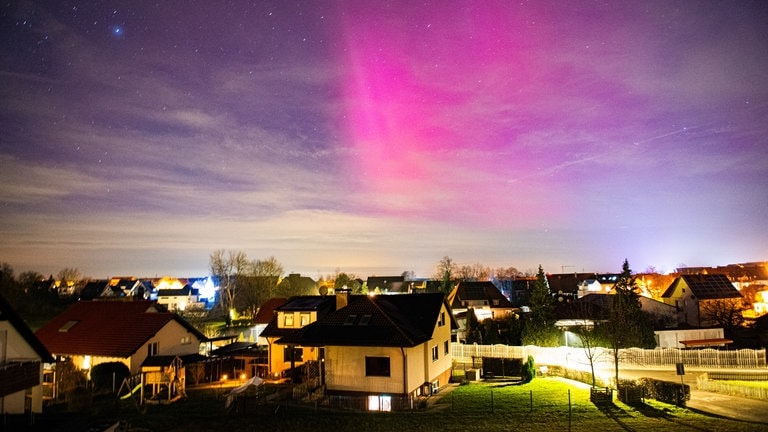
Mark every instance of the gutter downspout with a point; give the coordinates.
(405, 371)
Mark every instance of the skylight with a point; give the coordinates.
(65, 328)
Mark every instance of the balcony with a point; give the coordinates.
(18, 375)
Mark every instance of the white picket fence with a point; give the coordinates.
(577, 358)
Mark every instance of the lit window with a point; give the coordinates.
(379, 403)
(304, 319)
(288, 320)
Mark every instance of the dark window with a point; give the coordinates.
(298, 354)
(364, 320)
(152, 349)
(350, 320)
(435, 353)
(377, 366)
(447, 347)
(442, 319)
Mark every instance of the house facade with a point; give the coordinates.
(22, 358)
(383, 346)
(94, 332)
(288, 318)
(179, 299)
(690, 293)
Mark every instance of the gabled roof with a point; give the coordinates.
(107, 328)
(385, 320)
(704, 286)
(248, 349)
(93, 289)
(322, 305)
(478, 291)
(267, 310)
(7, 313)
(178, 292)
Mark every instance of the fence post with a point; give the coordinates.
(491, 401)
(569, 410)
(531, 393)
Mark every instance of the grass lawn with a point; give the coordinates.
(475, 406)
(754, 384)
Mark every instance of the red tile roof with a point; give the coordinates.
(106, 328)
(267, 310)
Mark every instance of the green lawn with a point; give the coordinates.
(475, 406)
(755, 384)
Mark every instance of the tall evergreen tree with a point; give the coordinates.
(540, 324)
(627, 325)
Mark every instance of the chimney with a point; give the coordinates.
(342, 297)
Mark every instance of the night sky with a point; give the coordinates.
(377, 137)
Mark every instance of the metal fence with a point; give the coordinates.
(578, 358)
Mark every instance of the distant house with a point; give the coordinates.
(130, 287)
(93, 289)
(293, 315)
(386, 284)
(688, 293)
(382, 346)
(516, 290)
(93, 332)
(178, 299)
(483, 297)
(22, 357)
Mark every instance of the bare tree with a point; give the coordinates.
(70, 280)
(474, 272)
(260, 283)
(228, 267)
(507, 273)
(726, 313)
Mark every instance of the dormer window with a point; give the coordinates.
(288, 320)
(350, 320)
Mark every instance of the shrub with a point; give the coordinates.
(529, 370)
(102, 375)
(666, 391)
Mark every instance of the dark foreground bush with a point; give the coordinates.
(105, 375)
(666, 391)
